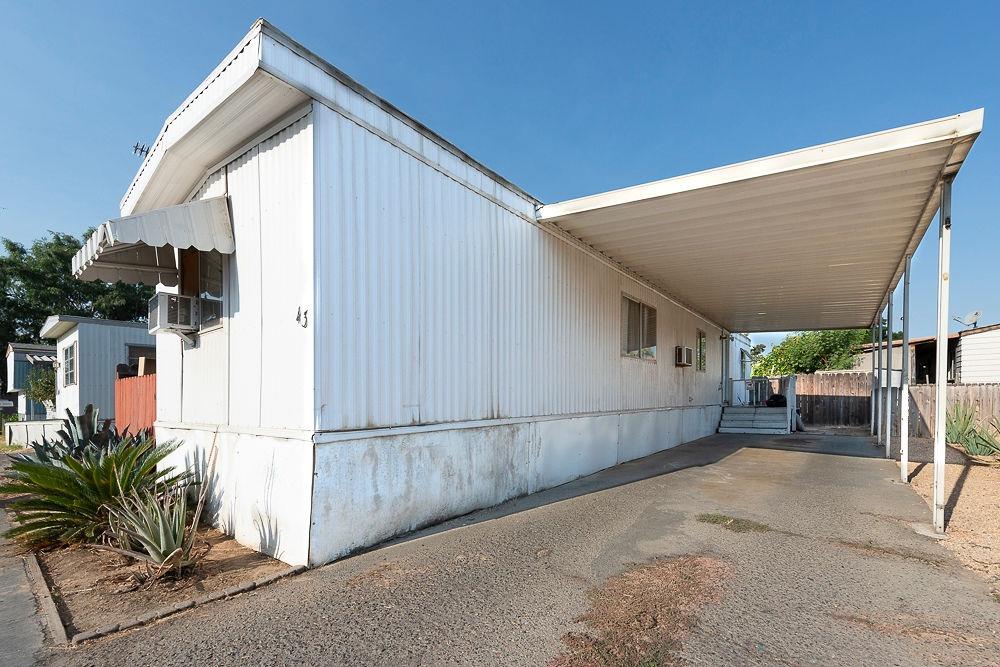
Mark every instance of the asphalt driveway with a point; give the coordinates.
(834, 573)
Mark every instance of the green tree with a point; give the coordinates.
(36, 281)
(40, 385)
(811, 351)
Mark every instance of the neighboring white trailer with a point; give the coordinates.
(88, 351)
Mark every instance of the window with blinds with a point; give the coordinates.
(638, 329)
(702, 351)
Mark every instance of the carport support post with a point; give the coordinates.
(941, 367)
(904, 385)
(888, 379)
(878, 380)
(874, 391)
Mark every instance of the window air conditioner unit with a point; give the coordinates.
(683, 356)
(173, 313)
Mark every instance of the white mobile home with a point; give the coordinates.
(977, 356)
(374, 330)
(88, 351)
(21, 358)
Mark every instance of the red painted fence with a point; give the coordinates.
(135, 402)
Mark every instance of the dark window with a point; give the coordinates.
(638, 329)
(210, 288)
(137, 351)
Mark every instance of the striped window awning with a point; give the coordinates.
(140, 248)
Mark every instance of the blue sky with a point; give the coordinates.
(564, 99)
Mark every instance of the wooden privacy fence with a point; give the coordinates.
(834, 399)
(844, 399)
(135, 402)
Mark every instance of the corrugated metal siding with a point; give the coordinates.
(436, 304)
(978, 358)
(286, 238)
(245, 308)
(255, 370)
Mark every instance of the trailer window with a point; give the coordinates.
(702, 351)
(210, 288)
(69, 365)
(638, 329)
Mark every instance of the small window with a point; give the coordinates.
(702, 350)
(69, 365)
(210, 288)
(638, 329)
(202, 277)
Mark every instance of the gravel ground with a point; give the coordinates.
(972, 513)
(833, 574)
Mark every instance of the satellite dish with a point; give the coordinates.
(970, 319)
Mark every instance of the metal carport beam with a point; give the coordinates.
(904, 389)
(888, 378)
(941, 371)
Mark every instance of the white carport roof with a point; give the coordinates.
(811, 239)
(140, 248)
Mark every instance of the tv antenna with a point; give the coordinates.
(970, 319)
(142, 150)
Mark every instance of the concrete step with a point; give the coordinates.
(765, 423)
(744, 410)
(750, 428)
(753, 431)
(740, 416)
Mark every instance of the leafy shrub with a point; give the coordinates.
(40, 385)
(69, 499)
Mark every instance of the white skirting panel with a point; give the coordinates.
(261, 487)
(369, 489)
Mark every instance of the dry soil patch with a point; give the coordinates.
(94, 589)
(641, 616)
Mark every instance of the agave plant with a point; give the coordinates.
(961, 428)
(68, 502)
(79, 434)
(960, 423)
(981, 442)
(153, 528)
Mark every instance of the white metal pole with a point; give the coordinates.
(727, 383)
(941, 367)
(874, 391)
(888, 379)
(904, 385)
(878, 403)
